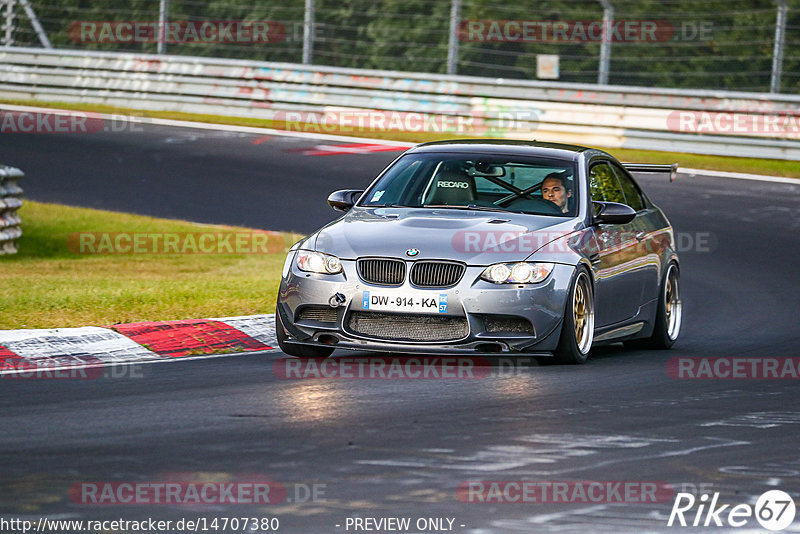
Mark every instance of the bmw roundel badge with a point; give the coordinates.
(412, 252)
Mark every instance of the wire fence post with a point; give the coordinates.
(163, 19)
(777, 52)
(452, 43)
(37, 27)
(308, 33)
(605, 45)
(7, 7)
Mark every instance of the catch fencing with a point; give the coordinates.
(738, 45)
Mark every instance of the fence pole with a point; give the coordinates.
(605, 45)
(8, 27)
(452, 43)
(26, 5)
(777, 52)
(308, 33)
(163, 19)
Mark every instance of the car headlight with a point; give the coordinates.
(318, 262)
(517, 273)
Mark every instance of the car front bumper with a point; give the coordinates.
(480, 317)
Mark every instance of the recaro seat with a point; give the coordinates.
(453, 187)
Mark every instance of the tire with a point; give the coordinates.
(668, 315)
(295, 349)
(577, 331)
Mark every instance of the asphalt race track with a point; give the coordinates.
(178, 173)
(401, 448)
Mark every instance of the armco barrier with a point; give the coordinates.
(10, 202)
(735, 123)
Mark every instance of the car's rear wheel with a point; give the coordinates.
(295, 349)
(668, 315)
(577, 332)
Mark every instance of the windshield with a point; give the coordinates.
(495, 183)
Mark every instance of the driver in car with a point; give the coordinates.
(556, 189)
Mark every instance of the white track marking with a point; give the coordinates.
(211, 126)
(259, 327)
(345, 138)
(87, 341)
(89, 347)
(143, 362)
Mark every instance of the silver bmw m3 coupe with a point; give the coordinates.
(487, 247)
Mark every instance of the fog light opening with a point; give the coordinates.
(489, 347)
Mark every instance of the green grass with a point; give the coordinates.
(46, 285)
(772, 167)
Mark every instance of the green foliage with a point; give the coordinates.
(53, 286)
(716, 44)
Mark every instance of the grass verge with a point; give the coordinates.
(773, 167)
(51, 284)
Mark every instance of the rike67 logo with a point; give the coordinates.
(774, 510)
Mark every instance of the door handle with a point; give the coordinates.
(640, 236)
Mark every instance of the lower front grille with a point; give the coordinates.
(408, 327)
(322, 314)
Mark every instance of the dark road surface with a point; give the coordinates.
(401, 448)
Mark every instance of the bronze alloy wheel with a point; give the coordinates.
(583, 313)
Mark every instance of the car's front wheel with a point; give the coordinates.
(577, 332)
(295, 349)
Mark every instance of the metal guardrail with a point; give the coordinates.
(609, 116)
(10, 202)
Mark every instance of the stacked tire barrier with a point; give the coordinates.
(10, 202)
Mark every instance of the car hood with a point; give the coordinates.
(474, 237)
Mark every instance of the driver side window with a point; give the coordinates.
(603, 184)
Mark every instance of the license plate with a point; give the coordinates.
(408, 302)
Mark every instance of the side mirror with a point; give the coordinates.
(345, 199)
(612, 213)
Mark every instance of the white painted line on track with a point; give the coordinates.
(212, 126)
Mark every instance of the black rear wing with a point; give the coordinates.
(671, 169)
